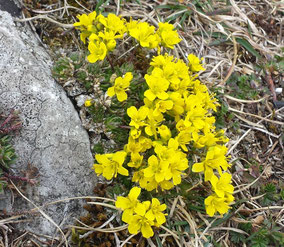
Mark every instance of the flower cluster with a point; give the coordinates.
(215, 159)
(174, 116)
(141, 216)
(174, 119)
(103, 32)
(149, 37)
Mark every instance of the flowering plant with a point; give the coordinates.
(174, 118)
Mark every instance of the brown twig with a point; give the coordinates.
(110, 62)
(19, 178)
(270, 83)
(10, 129)
(14, 126)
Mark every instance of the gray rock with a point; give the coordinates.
(10, 6)
(52, 138)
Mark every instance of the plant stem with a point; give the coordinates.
(110, 62)
(18, 178)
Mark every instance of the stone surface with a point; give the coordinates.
(52, 138)
(10, 6)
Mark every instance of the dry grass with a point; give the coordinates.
(245, 29)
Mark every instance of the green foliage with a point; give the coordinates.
(74, 68)
(267, 235)
(237, 237)
(98, 148)
(241, 86)
(271, 194)
(223, 116)
(245, 44)
(8, 124)
(7, 152)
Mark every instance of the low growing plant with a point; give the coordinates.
(168, 117)
(7, 152)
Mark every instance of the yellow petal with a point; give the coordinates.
(140, 209)
(153, 160)
(128, 76)
(149, 95)
(122, 202)
(160, 217)
(92, 58)
(159, 177)
(210, 210)
(162, 95)
(134, 193)
(121, 96)
(198, 167)
(110, 91)
(148, 172)
(119, 157)
(214, 180)
(134, 225)
(123, 171)
(102, 158)
(127, 215)
(132, 112)
(147, 231)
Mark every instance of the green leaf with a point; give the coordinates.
(180, 223)
(237, 237)
(170, 6)
(158, 241)
(173, 17)
(244, 43)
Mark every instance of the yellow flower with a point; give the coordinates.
(110, 164)
(223, 185)
(163, 152)
(194, 63)
(88, 103)
(164, 132)
(178, 104)
(121, 84)
(147, 183)
(86, 25)
(128, 204)
(178, 163)
(215, 204)
(145, 143)
(136, 160)
(137, 116)
(85, 20)
(215, 159)
(161, 60)
(209, 139)
(156, 168)
(144, 33)
(155, 212)
(140, 222)
(113, 23)
(157, 85)
(98, 51)
(108, 38)
(166, 185)
(135, 133)
(162, 106)
(183, 138)
(152, 123)
(133, 146)
(168, 36)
